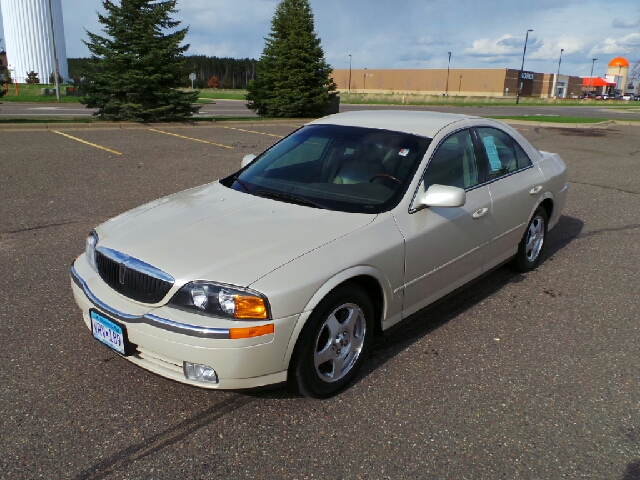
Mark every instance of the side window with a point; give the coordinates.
(308, 151)
(505, 155)
(522, 158)
(454, 163)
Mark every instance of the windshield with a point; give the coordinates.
(350, 169)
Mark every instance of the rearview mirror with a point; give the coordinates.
(443, 196)
(247, 160)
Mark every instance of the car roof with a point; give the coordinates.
(423, 123)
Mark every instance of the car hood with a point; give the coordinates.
(216, 233)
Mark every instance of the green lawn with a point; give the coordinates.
(419, 99)
(218, 94)
(33, 93)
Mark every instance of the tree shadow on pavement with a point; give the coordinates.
(633, 471)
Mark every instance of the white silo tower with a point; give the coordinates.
(28, 38)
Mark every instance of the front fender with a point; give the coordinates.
(388, 300)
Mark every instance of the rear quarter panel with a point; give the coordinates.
(555, 172)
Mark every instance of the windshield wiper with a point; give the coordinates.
(286, 197)
(236, 178)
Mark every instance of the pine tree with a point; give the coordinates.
(135, 70)
(292, 77)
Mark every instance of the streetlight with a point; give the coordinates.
(593, 61)
(522, 67)
(446, 93)
(555, 93)
(56, 68)
(349, 73)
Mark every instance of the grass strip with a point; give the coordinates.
(27, 120)
(550, 118)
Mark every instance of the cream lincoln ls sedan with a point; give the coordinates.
(283, 271)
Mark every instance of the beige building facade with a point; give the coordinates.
(482, 82)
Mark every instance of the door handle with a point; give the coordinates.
(480, 212)
(535, 190)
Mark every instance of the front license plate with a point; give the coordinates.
(108, 332)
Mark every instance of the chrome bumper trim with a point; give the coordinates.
(149, 319)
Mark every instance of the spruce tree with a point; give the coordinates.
(292, 77)
(136, 69)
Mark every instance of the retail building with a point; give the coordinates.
(481, 82)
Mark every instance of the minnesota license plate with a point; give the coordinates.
(108, 332)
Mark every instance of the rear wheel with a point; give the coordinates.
(532, 243)
(334, 343)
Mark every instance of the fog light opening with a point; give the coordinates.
(199, 372)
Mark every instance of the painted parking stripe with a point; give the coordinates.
(252, 131)
(191, 138)
(87, 143)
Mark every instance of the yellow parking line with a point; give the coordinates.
(85, 142)
(251, 131)
(191, 138)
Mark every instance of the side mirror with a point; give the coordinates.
(443, 196)
(247, 160)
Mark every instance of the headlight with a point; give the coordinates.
(222, 301)
(90, 249)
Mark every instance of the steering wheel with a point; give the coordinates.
(385, 175)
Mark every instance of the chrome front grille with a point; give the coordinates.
(131, 277)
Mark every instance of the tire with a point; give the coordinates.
(333, 344)
(533, 242)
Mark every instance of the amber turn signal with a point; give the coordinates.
(250, 307)
(251, 332)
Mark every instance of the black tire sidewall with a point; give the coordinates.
(302, 373)
(521, 262)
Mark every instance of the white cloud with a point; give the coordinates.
(505, 45)
(550, 49)
(617, 46)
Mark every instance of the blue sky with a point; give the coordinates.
(412, 33)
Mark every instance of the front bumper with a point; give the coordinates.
(164, 337)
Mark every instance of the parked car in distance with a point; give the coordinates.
(284, 270)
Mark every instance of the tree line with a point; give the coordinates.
(228, 72)
(138, 66)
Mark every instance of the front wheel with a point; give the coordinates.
(532, 243)
(334, 343)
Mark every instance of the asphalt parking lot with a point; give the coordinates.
(529, 376)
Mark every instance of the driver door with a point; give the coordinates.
(446, 247)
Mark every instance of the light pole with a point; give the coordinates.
(56, 69)
(593, 61)
(519, 85)
(446, 93)
(555, 92)
(349, 73)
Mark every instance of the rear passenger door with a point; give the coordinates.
(514, 185)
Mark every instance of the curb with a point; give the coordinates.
(603, 124)
(36, 127)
